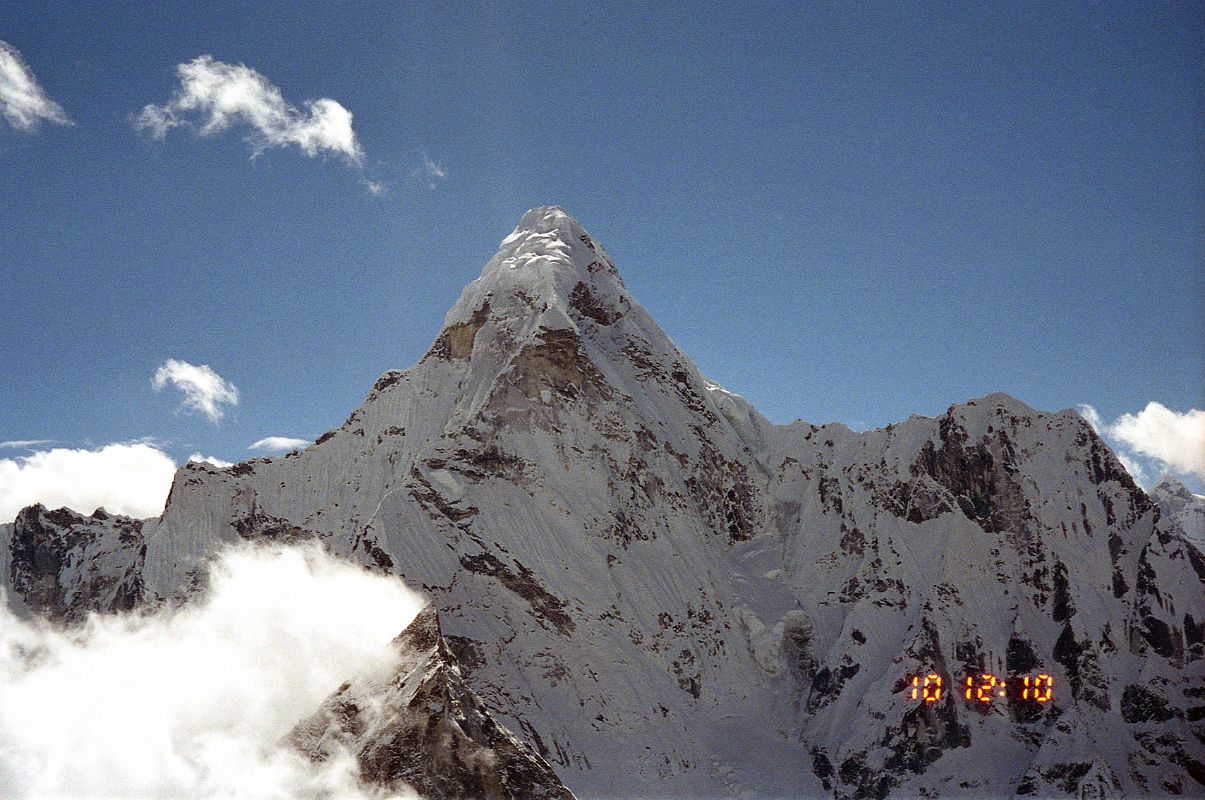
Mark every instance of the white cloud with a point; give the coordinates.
(431, 172)
(213, 96)
(23, 102)
(215, 462)
(1175, 438)
(193, 702)
(131, 479)
(279, 443)
(1154, 441)
(204, 390)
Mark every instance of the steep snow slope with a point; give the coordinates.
(664, 594)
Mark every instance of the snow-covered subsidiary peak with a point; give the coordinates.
(663, 594)
(1184, 510)
(1173, 489)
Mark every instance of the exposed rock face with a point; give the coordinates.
(664, 594)
(62, 564)
(419, 725)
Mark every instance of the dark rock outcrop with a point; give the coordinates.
(420, 725)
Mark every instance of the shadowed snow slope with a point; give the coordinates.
(664, 594)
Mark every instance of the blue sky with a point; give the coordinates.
(843, 212)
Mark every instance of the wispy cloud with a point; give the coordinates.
(214, 96)
(375, 188)
(1169, 440)
(194, 701)
(23, 102)
(1091, 416)
(204, 390)
(431, 172)
(24, 444)
(1134, 467)
(278, 444)
(131, 479)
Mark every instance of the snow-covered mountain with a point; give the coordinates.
(663, 594)
(1183, 510)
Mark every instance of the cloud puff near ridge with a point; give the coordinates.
(200, 458)
(214, 96)
(1173, 440)
(204, 390)
(1176, 439)
(279, 443)
(24, 104)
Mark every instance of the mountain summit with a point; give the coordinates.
(547, 255)
(658, 592)
(548, 274)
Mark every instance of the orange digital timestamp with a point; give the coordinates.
(929, 688)
(986, 687)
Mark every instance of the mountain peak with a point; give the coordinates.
(547, 266)
(545, 239)
(542, 218)
(1170, 484)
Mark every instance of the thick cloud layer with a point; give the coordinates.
(193, 703)
(131, 479)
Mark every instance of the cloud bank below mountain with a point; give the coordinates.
(126, 478)
(194, 702)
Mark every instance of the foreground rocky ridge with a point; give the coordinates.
(663, 593)
(418, 726)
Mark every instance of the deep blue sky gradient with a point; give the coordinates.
(843, 212)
